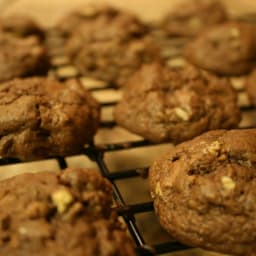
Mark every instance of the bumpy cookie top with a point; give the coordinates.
(96, 15)
(204, 191)
(161, 104)
(114, 61)
(123, 26)
(42, 117)
(111, 48)
(228, 49)
(60, 214)
(192, 16)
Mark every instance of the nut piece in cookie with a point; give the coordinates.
(228, 49)
(192, 16)
(42, 118)
(21, 57)
(162, 104)
(45, 214)
(208, 200)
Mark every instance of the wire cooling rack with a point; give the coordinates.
(62, 70)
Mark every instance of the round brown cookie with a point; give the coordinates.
(193, 16)
(84, 15)
(60, 214)
(228, 49)
(111, 49)
(123, 27)
(42, 118)
(162, 104)
(21, 57)
(21, 26)
(204, 191)
(114, 61)
(250, 86)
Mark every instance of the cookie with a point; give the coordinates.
(204, 191)
(121, 26)
(21, 57)
(250, 86)
(60, 214)
(111, 49)
(193, 16)
(84, 15)
(114, 61)
(162, 104)
(21, 26)
(228, 49)
(42, 118)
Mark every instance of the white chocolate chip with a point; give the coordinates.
(158, 189)
(62, 198)
(183, 114)
(228, 183)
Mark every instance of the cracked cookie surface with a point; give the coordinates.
(204, 190)
(161, 104)
(58, 214)
(88, 15)
(42, 118)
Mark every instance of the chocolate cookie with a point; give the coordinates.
(111, 49)
(114, 61)
(228, 49)
(60, 214)
(21, 57)
(21, 26)
(193, 16)
(250, 86)
(122, 27)
(84, 15)
(204, 191)
(43, 118)
(162, 104)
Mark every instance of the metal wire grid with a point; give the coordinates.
(96, 154)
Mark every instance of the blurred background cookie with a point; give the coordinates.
(21, 26)
(228, 49)
(22, 57)
(191, 17)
